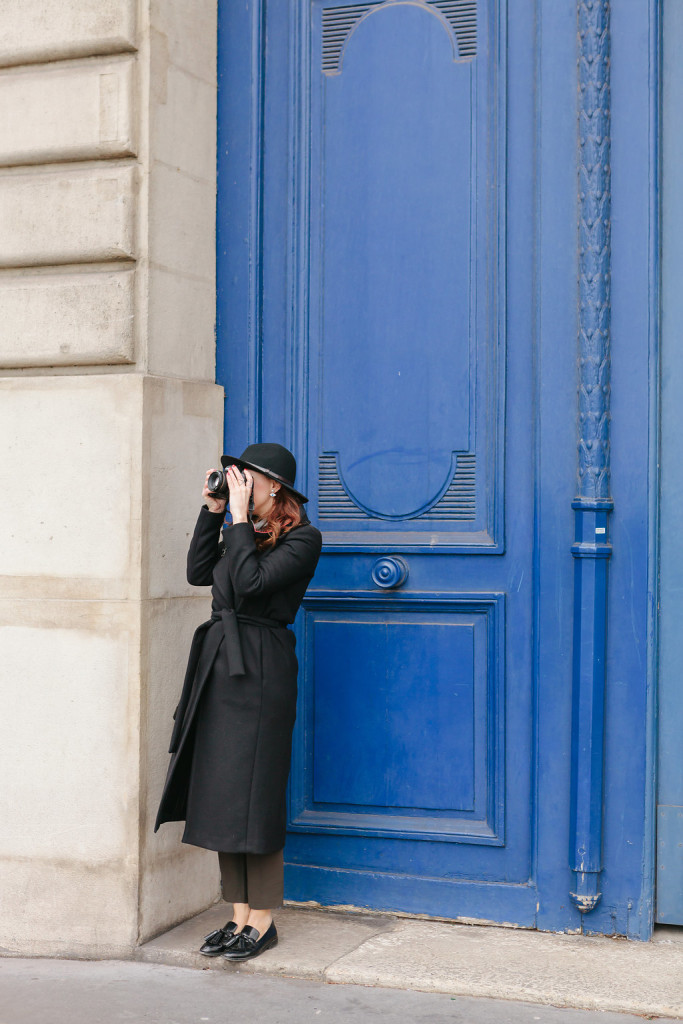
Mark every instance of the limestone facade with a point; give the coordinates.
(109, 414)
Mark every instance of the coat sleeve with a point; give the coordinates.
(295, 557)
(205, 548)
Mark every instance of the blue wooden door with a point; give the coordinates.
(375, 236)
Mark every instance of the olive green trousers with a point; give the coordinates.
(253, 878)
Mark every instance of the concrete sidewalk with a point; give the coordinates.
(49, 991)
(390, 951)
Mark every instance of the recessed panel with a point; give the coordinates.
(402, 720)
(394, 714)
(405, 261)
(397, 260)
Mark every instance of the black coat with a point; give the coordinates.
(231, 742)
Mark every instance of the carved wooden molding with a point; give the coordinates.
(594, 249)
(592, 505)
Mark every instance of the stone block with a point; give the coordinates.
(103, 676)
(187, 35)
(68, 687)
(183, 429)
(182, 223)
(182, 425)
(67, 216)
(40, 30)
(175, 878)
(310, 941)
(66, 318)
(183, 122)
(68, 908)
(181, 338)
(69, 755)
(70, 504)
(73, 110)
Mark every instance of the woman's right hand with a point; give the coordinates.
(213, 504)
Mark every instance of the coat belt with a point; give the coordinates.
(233, 644)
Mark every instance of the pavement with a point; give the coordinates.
(412, 954)
(332, 964)
(51, 991)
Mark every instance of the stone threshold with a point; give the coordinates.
(352, 947)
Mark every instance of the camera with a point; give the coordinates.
(217, 485)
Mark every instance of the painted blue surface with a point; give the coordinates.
(432, 750)
(406, 271)
(591, 551)
(593, 504)
(395, 265)
(628, 816)
(670, 757)
(422, 669)
(425, 666)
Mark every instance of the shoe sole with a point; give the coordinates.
(268, 945)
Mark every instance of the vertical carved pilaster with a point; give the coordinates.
(593, 503)
(594, 248)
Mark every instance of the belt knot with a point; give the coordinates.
(233, 642)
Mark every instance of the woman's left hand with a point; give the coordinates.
(239, 494)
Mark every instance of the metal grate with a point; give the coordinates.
(458, 502)
(333, 501)
(461, 15)
(338, 22)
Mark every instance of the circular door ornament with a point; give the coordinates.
(389, 572)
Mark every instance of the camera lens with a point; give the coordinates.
(217, 484)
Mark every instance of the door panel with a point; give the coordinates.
(387, 193)
(406, 263)
(402, 718)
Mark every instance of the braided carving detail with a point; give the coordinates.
(594, 249)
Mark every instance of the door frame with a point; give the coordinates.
(627, 904)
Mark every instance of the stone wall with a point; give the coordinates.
(109, 415)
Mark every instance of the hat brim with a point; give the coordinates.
(230, 460)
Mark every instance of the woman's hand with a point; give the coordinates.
(213, 504)
(239, 494)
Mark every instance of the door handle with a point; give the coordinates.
(389, 572)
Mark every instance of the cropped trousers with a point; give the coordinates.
(253, 878)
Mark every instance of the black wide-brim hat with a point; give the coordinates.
(273, 460)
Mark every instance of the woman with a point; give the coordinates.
(231, 743)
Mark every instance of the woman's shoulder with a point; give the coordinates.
(302, 529)
(305, 529)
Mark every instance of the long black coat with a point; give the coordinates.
(231, 742)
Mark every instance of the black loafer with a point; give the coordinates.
(249, 944)
(222, 938)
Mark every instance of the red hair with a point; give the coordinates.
(285, 513)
